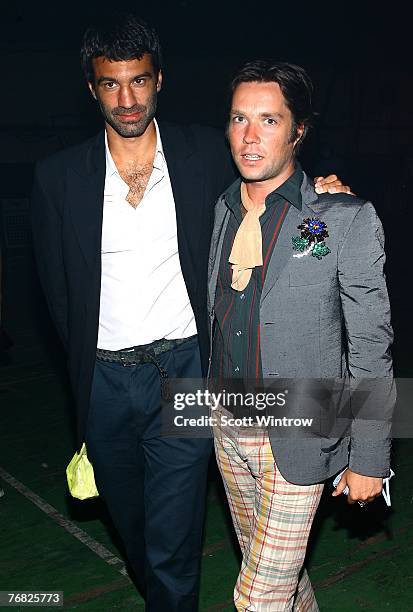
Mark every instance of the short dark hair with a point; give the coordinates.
(120, 37)
(294, 82)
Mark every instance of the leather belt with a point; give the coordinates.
(144, 353)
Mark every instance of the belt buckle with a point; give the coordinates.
(127, 364)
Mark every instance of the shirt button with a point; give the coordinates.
(239, 332)
(236, 369)
(242, 296)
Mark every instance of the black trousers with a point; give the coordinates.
(154, 486)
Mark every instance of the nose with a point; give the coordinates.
(126, 97)
(251, 135)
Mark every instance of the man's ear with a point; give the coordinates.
(92, 89)
(159, 81)
(227, 130)
(299, 133)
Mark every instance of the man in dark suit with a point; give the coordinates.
(121, 229)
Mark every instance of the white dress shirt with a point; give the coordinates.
(143, 294)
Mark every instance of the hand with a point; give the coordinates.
(330, 184)
(361, 488)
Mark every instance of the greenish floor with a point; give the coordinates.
(357, 560)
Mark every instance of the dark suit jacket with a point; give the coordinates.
(67, 209)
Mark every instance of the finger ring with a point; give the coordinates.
(361, 503)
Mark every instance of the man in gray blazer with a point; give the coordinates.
(296, 290)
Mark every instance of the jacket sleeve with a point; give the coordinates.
(46, 222)
(369, 334)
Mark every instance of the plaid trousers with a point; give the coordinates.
(272, 519)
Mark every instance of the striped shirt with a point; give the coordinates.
(236, 340)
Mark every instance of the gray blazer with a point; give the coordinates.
(326, 319)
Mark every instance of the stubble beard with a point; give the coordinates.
(133, 129)
(265, 174)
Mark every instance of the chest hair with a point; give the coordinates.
(136, 176)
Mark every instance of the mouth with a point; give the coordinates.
(129, 118)
(251, 157)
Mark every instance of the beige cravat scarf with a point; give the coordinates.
(246, 251)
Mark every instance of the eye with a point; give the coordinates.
(270, 121)
(140, 81)
(237, 119)
(109, 85)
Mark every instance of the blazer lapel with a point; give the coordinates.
(187, 180)
(85, 189)
(217, 240)
(283, 248)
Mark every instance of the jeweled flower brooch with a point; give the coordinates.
(313, 233)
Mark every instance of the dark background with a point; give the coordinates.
(358, 54)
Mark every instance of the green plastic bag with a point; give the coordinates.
(80, 476)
